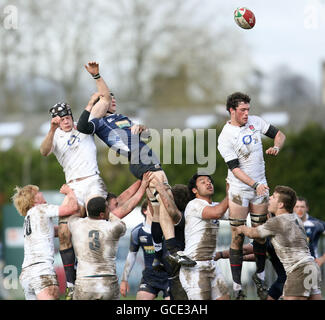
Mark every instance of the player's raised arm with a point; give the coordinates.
(93, 68)
(70, 204)
(47, 144)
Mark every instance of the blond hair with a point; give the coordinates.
(24, 198)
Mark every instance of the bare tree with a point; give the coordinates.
(164, 38)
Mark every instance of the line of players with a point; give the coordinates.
(184, 218)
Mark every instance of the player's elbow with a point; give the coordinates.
(45, 152)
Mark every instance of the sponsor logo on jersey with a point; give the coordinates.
(143, 239)
(73, 139)
(122, 124)
(247, 139)
(149, 249)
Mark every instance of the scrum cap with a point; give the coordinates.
(60, 109)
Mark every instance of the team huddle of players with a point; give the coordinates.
(180, 231)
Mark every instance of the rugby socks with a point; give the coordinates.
(259, 250)
(157, 236)
(236, 261)
(68, 260)
(171, 245)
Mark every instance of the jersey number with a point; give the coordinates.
(94, 244)
(28, 229)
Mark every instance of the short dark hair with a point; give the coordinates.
(192, 183)
(303, 199)
(110, 196)
(234, 99)
(95, 206)
(288, 196)
(181, 196)
(144, 206)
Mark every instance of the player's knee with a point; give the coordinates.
(237, 239)
(64, 235)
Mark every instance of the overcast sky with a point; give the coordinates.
(287, 32)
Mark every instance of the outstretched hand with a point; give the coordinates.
(92, 67)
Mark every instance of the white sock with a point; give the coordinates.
(261, 275)
(236, 286)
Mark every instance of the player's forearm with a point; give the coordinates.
(248, 254)
(47, 143)
(129, 263)
(102, 87)
(129, 192)
(279, 139)
(130, 204)
(221, 208)
(242, 176)
(250, 232)
(69, 205)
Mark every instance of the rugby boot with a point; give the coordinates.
(260, 286)
(69, 293)
(239, 295)
(177, 257)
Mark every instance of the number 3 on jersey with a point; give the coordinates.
(94, 244)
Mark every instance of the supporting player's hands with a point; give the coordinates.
(92, 67)
(262, 189)
(154, 181)
(55, 123)
(273, 151)
(137, 128)
(320, 261)
(93, 99)
(124, 288)
(239, 230)
(65, 189)
(146, 178)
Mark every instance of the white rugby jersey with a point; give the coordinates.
(76, 153)
(39, 234)
(289, 239)
(95, 243)
(200, 234)
(245, 144)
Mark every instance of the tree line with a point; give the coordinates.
(300, 164)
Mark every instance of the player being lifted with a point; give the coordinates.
(123, 136)
(76, 153)
(240, 144)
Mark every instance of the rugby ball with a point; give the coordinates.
(245, 18)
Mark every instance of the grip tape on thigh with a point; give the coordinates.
(237, 222)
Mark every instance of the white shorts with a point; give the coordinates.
(204, 281)
(245, 197)
(88, 188)
(303, 281)
(37, 277)
(97, 288)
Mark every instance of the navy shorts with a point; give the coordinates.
(138, 170)
(155, 287)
